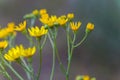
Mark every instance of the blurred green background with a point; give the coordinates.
(98, 56)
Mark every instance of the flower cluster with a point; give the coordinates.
(48, 30)
(19, 51)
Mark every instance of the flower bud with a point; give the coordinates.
(89, 27)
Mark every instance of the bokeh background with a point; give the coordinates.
(98, 56)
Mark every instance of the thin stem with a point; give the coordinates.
(31, 67)
(53, 65)
(44, 41)
(59, 60)
(26, 67)
(11, 40)
(8, 65)
(40, 55)
(12, 69)
(70, 55)
(28, 37)
(68, 40)
(69, 63)
(83, 39)
(6, 73)
(40, 59)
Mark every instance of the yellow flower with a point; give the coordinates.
(43, 11)
(62, 20)
(29, 52)
(75, 25)
(86, 77)
(14, 53)
(3, 44)
(21, 27)
(70, 16)
(10, 27)
(35, 12)
(4, 32)
(50, 21)
(45, 16)
(37, 32)
(89, 27)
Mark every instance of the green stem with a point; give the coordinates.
(53, 64)
(31, 67)
(59, 60)
(26, 68)
(11, 40)
(70, 52)
(68, 40)
(12, 69)
(6, 73)
(28, 37)
(40, 55)
(83, 39)
(40, 65)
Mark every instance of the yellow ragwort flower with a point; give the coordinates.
(50, 21)
(43, 11)
(86, 77)
(4, 32)
(62, 20)
(44, 16)
(3, 44)
(14, 53)
(89, 27)
(70, 16)
(35, 12)
(10, 27)
(37, 32)
(29, 52)
(19, 51)
(21, 26)
(75, 25)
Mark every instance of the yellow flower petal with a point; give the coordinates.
(37, 32)
(75, 25)
(3, 44)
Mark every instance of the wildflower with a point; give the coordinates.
(3, 44)
(70, 16)
(37, 32)
(21, 26)
(75, 25)
(14, 53)
(50, 21)
(35, 12)
(4, 32)
(86, 77)
(29, 52)
(45, 16)
(89, 27)
(10, 27)
(62, 20)
(43, 11)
